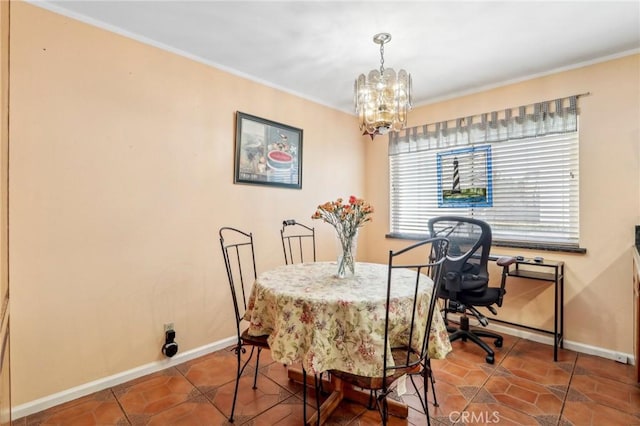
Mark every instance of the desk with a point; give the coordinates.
(328, 323)
(550, 271)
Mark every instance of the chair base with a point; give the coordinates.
(464, 333)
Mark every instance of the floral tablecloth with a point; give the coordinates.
(328, 323)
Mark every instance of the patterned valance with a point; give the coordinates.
(534, 120)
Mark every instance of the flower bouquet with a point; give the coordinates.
(346, 219)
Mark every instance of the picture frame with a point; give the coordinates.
(465, 177)
(267, 153)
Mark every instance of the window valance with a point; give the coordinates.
(540, 119)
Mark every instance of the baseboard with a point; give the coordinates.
(624, 358)
(49, 401)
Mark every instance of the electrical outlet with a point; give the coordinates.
(168, 326)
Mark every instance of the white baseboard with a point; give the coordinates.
(49, 401)
(119, 378)
(547, 339)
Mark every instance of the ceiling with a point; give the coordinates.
(316, 49)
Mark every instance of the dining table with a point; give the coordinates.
(324, 322)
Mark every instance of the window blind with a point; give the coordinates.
(533, 174)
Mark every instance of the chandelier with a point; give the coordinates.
(383, 99)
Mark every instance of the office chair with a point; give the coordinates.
(240, 263)
(466, 277)
(410, 350)
(298, 240)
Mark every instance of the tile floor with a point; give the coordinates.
(523, 387)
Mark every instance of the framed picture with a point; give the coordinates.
(465, 177)
(267, 153)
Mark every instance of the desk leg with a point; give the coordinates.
(555, 317)
(562, 307)
(341, 390)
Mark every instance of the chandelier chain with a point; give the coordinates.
(381, 58)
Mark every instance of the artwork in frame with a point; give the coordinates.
(267, 153)
(465, 177)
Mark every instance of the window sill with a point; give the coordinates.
(511, 244)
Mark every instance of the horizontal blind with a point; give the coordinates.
(535, 190)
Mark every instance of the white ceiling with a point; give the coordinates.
(315, 49)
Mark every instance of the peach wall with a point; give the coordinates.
(5, 370)
(4, 151)
(121, 175)
(598, 303)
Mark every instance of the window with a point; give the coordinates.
(517, 172)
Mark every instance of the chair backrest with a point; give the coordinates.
(240, 263)
(298, 242)
(424, 259)
(470, 243)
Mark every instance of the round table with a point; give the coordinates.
(331, 323)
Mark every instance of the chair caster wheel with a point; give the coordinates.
(490, 359)
(498, 343)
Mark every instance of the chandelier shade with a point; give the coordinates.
(383, 98)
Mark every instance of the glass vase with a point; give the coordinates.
(346, 247)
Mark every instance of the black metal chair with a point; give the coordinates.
(466, 277)
(240, 263)
(410, 353)
(298, 243)
(298, 240)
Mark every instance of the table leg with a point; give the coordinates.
(341, 390)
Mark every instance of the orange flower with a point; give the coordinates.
(345, 218)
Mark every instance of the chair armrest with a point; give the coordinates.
(506, 261)
(453, 285)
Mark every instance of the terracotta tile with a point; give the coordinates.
(523, 395)
(197, 411)
(451, 399)
(539, 371)
(611, 393)
(596, 366)
(459, 371)
(411, 397)
(372, 417)
(288, 412)
(158, 392)
(211, 371)
(278, 373)
(100, 408)
(471, 352)
(494, 413)
(538, 351)
(594, 414)
(22, 421)
(416, 410)
(250, 402)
